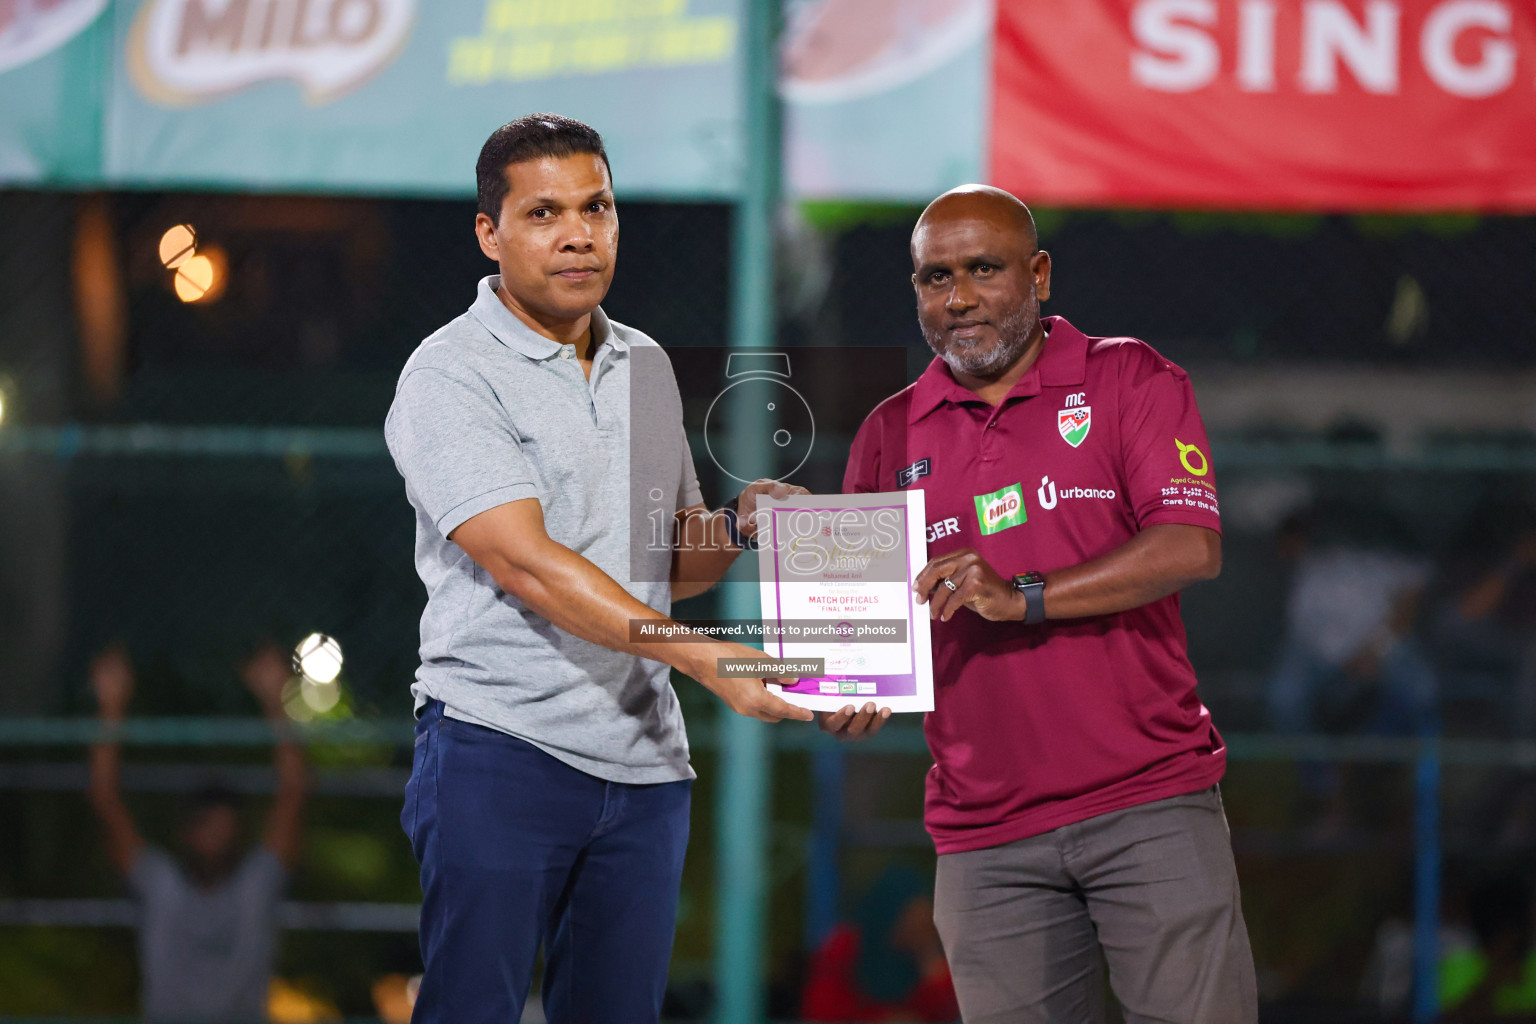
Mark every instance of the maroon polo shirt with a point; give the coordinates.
(1035, 727)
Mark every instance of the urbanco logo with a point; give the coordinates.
(183, 52)
(1049, 495)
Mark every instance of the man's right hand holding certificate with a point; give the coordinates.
(745, 695)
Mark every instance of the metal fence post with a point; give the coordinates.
(740, 877)
(1426, 882)
(822, 874)
(745, 752)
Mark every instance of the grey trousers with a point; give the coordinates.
(1153, 887)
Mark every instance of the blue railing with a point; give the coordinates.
(72, 440)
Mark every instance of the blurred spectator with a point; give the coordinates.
(207, 920)
(1386, 986)
(885, 965)
(1483, 630)
(1348, 663)
(1496, 979)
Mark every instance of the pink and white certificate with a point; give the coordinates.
(836, 575)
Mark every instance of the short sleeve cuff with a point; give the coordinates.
(1181, 517)
(690, 497)
(484, 502)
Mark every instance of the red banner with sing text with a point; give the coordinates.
(1277, 104)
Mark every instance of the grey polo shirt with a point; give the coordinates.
(488, 412)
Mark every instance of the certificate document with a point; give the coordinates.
(836, 577)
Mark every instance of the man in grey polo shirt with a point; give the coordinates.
(548, 798)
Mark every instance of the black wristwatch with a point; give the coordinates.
(731, 515)
(1032, 586)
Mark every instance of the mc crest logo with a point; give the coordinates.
(1074, 424)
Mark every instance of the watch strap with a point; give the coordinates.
(1032, 586)
(731, 515)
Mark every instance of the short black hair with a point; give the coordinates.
(531, 137)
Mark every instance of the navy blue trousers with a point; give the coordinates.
(517, 848)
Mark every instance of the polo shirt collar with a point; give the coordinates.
(494, 315)
(934, 387)
(1062, 362)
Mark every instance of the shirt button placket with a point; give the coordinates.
(989, 441)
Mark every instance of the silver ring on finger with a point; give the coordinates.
(950, 584)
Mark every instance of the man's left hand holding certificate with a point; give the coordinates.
(836, 577)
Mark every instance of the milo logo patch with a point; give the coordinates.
(1001, 509)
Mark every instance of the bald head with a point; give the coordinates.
(1001, 210)
(980, 278)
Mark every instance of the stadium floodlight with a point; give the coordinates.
(196, 278)
(177, 245)
(318, 658)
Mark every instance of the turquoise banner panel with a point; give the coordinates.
(53, 60)
(885, 100)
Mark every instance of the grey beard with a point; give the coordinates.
(1013, 333)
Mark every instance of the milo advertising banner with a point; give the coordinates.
(374, 95)
(396, 96)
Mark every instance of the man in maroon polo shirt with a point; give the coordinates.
(1070, 497)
